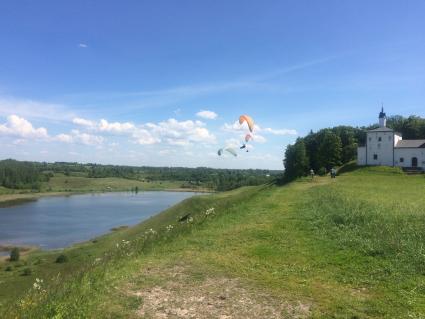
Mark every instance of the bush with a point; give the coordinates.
(27, 272)
(61, 259)
(14, 254)
(322, 171)
(8, 268)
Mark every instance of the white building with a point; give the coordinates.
(386, 147)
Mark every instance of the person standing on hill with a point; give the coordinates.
(333, 173)
(312, 173)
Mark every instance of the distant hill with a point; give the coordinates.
(33, 175)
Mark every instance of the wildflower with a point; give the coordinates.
(150, 232)
(210, 211)
(37, 284)
(169, 228)
(190, 220)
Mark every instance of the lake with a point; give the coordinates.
(57, 222)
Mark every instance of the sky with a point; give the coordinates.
(163, 83)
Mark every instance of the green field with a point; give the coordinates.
(353, 247)
(61, 182)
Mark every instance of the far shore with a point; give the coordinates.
(23, 249)
(16, 199)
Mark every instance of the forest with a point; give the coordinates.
(333, 147)
(29, 175)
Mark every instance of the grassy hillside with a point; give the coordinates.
(346, 248)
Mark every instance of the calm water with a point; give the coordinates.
(56, 222)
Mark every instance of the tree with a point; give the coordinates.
(330, 150)
(14, 254)
(296, 161)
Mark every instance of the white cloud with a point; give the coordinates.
(115, 127)
(82, 45)
(64, 138)
(237, 128)
(83, 122)
(86, 139)
(144, 137)
(18, 126)
(209, 115)
(105, 126)
(171, 131)
(182, 133)
(258, 138)
(78, 137)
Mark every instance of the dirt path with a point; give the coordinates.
(177, 292)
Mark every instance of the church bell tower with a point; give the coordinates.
(382, 118)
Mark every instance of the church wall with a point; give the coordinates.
(407, 154)
(361, 155)
(380, 146)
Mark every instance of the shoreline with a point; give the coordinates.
(8, 200)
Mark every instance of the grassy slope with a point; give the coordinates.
(346, 248)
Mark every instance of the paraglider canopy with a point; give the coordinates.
(248, 119)
(248, 137)
(227, 149)
(231, 151)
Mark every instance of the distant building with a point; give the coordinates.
(386, 147)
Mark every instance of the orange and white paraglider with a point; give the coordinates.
(248, 137)
(248, 119)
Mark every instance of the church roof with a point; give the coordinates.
(382, 129)
(411, 144)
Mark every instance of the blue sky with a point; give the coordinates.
(127, 82)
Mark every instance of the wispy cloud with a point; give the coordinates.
(34, 109)
(167, 96)
(82, 45)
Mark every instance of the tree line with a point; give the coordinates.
(19, 175)
(332, 147)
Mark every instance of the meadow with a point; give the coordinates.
(352, 247)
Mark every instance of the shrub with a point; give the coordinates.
(27, 272)
(322, 171)
(14, 254)
(61, 259)
(8, 268)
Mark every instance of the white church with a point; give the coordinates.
(386, 147)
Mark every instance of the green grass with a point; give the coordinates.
(348, 248)
(61, 182)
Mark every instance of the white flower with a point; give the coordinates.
(150, 231)
(210, 211)
(169, 228)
